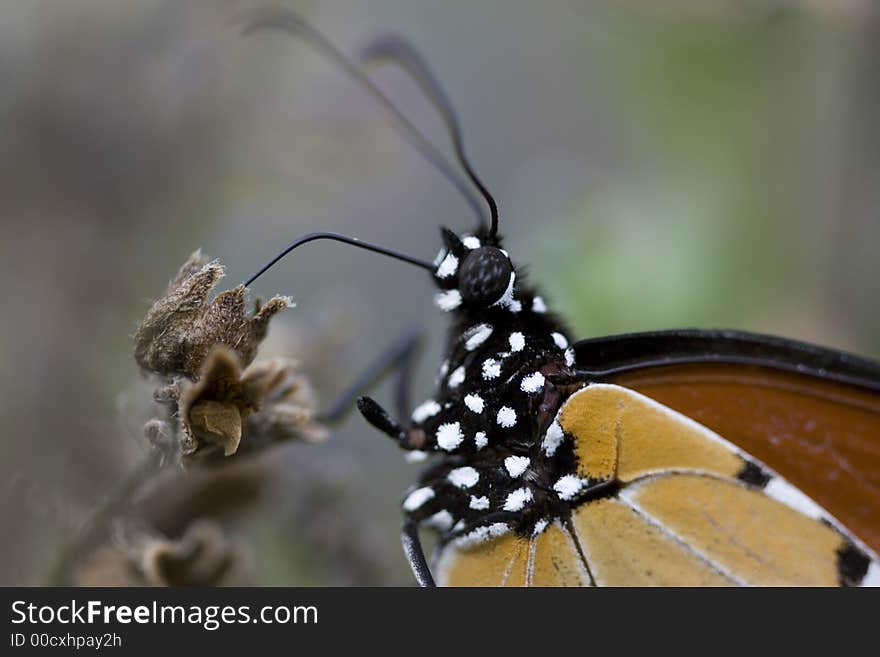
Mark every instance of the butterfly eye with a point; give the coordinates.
(484, 276)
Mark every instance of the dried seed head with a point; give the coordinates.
(201, 557)
(226, 409)
(182, 327)
(140, 556)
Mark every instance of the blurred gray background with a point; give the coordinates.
(704, 164)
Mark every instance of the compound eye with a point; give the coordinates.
(484, 276)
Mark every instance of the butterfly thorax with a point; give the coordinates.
(504, 462)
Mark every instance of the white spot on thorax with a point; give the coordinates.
(781, 490)
(517, 341)
(442, 520)
(560, 340)
(426, 409)
(506, 417)
(532, 383)
(568, 486)
(449, 436)
(417, 498)
(479, 503)
(516, 465)
(456, 378)
(553, 438)
(463, 477)
(491, 369)
(448, 300)
(540, 526)
(518, 499)
(506, 300)
(569, 357)
(476, 335)
(470, 242)
(480, 439)
(538, 305)
(416, 456)
(474, 403)
(448, 267)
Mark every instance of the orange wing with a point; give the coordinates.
(822, 436)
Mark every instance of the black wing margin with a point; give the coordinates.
(600, 358)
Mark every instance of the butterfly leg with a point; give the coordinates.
(399, 358)
(412, 548)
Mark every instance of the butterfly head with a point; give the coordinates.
(474, 274)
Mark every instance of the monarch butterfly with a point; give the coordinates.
(687, 457)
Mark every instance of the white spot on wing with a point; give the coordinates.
(480, 439)
(417, 498)
(560, 340)
(568, 486)
(482, 534)
(426, 409)
(516, 465)
(448, 300)
(448, 267)
(479, 503)
(491, 369)
(538, 305)
(517, 341)
(540, 526)
(518, 499)
(456, 378)
(532, 383)
(463, 477)
(476, 335)
(781, 490)
(449, 436)
(474, 403)
(506, 417)
(872, 577)
(552, 438)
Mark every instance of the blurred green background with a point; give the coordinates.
(711, 164)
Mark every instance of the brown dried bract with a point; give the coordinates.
(183, 326)
(202, 556)
(266, 403)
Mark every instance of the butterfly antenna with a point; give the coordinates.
(396, 50)
(290, 22)
(353, 241)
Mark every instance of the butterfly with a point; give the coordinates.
(683, 458)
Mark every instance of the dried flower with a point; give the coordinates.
(267, 402)
(202, 556)
(215, 400)
(182, 327)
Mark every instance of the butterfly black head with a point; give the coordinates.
(473, 272)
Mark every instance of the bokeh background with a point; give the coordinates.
(712, 164)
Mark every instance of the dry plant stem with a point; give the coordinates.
(88, 535)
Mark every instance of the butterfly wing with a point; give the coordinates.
(811, 414)
(686, 508)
